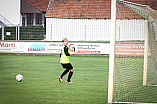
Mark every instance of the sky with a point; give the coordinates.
(10, 9)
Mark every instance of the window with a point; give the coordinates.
(38, 18)
(23, 21)
(29, 19)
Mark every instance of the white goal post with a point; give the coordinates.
(112, 50)
(145, 54)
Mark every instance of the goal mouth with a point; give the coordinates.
(133, 64)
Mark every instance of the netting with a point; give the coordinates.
(129, 54)
(152, 59)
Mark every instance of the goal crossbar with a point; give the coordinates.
(149, 13)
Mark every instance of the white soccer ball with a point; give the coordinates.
(19, 77)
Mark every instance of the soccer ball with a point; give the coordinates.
(19, 77)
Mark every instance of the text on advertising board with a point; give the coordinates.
(37, 47)
(2, 44)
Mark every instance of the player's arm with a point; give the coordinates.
(61, 54)
(66, 51)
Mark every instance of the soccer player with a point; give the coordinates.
(64, 59)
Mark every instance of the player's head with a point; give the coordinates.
(65, 41)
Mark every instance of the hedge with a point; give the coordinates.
(26, 33)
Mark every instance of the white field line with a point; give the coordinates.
(40, 73)
(30, 74)
(8, 75)
(149, 84)
(131, 92)
(135, 90)
(132, 103)
(152, 85)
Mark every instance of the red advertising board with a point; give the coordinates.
(129, 49)
(88, 52)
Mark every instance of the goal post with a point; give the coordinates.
(145, 54)
(112, 50)
(133, 53)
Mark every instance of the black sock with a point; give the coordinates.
(65, 72)
(70, 75)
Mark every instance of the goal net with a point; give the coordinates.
(135, 54)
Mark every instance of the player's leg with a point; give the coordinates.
(71, 69)
(60, 79)
(70, 75)
(64, 73)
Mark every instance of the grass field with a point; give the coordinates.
(128, 80)
(41, 85)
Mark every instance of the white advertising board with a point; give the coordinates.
(51, 47)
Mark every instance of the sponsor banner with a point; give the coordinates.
(36, 48)
(89, 48)
(130, 49)
(80, 48)
(54, 47)
(48, 47)
(10, 47)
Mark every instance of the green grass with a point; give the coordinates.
(41, 85)
(128, 81)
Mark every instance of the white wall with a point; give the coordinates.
(77, 29)
(10, 9)
(130, 29)
(92, 29)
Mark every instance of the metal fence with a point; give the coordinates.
(93, 29)
(74, 30)
(18, 33)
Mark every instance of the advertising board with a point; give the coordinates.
(51, 47)
(80, 48)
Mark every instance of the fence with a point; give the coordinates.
(75, 30)
(18, 33)
(93, 29)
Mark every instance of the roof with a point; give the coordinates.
(89, 9)
(39, 4)
(79, 9)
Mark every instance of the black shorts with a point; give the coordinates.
(67, 66)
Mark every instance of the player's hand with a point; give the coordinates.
(74, 53)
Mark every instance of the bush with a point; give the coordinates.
(12, 30)
(26, 33)
(32, 32)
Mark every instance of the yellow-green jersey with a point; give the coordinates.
(64, 56)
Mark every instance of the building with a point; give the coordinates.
(87, 20)
(23, 12)
(75, 19)
(33, 12)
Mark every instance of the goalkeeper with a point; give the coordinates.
(64, 59)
